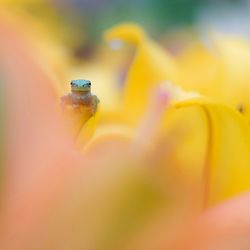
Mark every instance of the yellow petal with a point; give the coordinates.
(150, 67)
(87, 131)
(201, 70)
(81, 123)
(179, 153)
(210, 144)
(234, 53)
(109, 134)
(220, 72)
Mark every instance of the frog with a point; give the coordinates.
(80, 96)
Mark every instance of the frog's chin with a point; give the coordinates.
(76, 89)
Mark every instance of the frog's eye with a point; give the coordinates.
(72, 83)
(89, 84)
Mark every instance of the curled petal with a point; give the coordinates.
(150, 67)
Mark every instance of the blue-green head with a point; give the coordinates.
(80, 85)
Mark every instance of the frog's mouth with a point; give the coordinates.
(81, 89)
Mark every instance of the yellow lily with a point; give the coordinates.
(129, 177)
(196, 157)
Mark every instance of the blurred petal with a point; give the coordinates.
(129, 197)
(220, 72)
(201, 70)
(2, 132)
(201, 145)
(234, 54)
(150, 67)
(224, 227)
(41, 160)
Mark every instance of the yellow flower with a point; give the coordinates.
(199, 158)
(195, 137)
(136, 182)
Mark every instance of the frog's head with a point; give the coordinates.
(80, 85)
